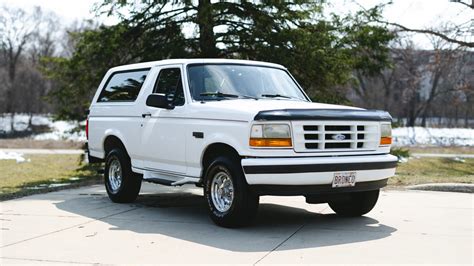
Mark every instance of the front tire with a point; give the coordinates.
(357, 204)
(121, 183)
(230, 201)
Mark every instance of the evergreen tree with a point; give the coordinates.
(321, 51)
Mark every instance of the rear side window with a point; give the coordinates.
(123, 86)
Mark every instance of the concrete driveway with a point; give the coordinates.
(170, 225)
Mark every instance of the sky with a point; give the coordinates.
(410, 13)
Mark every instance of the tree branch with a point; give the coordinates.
(432, 32)
(471, 6)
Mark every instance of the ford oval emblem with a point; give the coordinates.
(338, 137)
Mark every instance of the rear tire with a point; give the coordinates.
(230, 201)
(121, 183)
(358, 203)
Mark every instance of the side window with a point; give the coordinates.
(123, 86)
(169, 82)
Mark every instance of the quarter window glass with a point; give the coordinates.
(169, 83)
(123, 86)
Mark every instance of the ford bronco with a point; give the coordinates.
(240, 129)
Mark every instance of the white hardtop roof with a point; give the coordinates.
(193, 61)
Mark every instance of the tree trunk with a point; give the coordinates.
(411, 117)
(466, 118)
(456, 116)
(423, 120)
(207, 41)
(30, 121)
(12, 122)
(412, 112)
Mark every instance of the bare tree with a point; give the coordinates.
(44, 40)
(461, 34)
(16, 30)
(421, 83)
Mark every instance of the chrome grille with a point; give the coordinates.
(326, 136)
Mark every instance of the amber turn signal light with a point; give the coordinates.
(270, 142)
(385, 140)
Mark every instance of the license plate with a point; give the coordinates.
(344, 179)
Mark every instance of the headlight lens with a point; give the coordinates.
(385, 134)
(270, 135)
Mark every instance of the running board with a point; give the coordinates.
(166, 182)
(186, 180)
(168, 179)
(159, 181)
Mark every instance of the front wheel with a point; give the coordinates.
(357, 204)
(230, 201)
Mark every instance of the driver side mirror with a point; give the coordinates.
(160, 100)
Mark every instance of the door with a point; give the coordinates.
(163, 133)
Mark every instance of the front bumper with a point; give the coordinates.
(319, 171)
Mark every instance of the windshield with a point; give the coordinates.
(231, 81)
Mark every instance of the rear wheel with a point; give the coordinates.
(357, 204)
(121, 183)
(230, 201)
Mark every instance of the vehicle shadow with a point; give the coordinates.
(183, 215)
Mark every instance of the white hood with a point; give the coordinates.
(246, 109)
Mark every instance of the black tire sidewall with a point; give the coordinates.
(244, 204)
(131, 182)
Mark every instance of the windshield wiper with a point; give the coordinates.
(226, 95)
(276, 96)
(219, 94)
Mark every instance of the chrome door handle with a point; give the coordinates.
(146, 114)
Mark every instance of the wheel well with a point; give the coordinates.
(112, 142)
(215, 150)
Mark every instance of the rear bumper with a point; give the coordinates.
(302, 173)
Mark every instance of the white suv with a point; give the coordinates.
(240, 129)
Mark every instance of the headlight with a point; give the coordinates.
(385, 134)
(270, 135)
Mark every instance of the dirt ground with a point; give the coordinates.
(26, 143)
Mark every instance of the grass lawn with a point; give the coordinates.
(433, 170)
(43, 173)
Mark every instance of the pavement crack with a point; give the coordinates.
(280, 244)
(284, 241)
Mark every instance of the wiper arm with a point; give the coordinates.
(221, 94)
(276, 96)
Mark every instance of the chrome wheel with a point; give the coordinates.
(222, 191)
(115, 175)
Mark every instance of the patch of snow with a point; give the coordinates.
(20, 121)
(53, 185)
(413, 136)
(18, 157)
(58, 185)
(402, 159)
(63, 130)
(60, 130)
